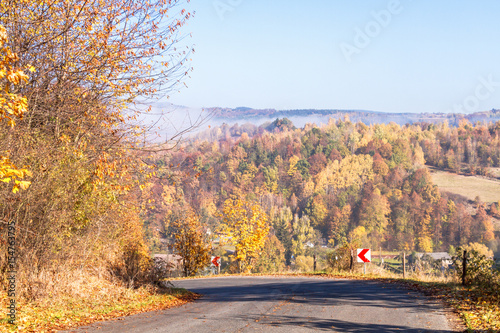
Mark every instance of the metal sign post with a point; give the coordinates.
(364, 256)
(404, 265)
(215, 262)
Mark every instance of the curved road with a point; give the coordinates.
(289, 304)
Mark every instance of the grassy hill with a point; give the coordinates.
(487, 190)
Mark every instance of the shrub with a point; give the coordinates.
(480, 268)
(340, 258)
(304, 263)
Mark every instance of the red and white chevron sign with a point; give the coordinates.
(215, 261)
(364, 255)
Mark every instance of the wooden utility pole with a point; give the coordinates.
(352, 261)
(404, 265)
(380, 255)
(464, 267)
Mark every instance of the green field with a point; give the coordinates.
(468, 186)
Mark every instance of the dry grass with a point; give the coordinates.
(78, 298)
(468, 186)
(495, 172)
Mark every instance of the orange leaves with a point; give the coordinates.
(3, 35)
(17, 76)
(10, 104)
(9, 172)
(108, 169)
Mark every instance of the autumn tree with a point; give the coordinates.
(379, 165)
(244, 225)
(374, 212)
(93, 65)
(483, 225)
(316, 211)
(302, 233)
(338, 223)
(190, 243)
(272, 258)
(282, 225)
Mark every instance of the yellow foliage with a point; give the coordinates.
(366, 137)
(304, 263)
(352, 170)
(293, 165)
(308, 189)
(190, 244)
(481, 249)
(357, 233)
(11, 105)
(209, 205)
(425, 244)
(245, 225)
(169, 194)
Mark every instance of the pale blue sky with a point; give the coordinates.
(420, 56)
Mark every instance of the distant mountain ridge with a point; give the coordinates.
(366, 116)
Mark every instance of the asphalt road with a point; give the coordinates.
(288, 304)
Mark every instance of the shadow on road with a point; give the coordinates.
(332, 325)
(264, 304)
(327, 293)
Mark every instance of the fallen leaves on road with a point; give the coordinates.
(69, 312)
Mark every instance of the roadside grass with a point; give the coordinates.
(468, 186)
(100, 300)
(495, 172)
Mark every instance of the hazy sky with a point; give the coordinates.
(393, 56)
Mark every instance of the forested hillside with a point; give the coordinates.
(364, 116)
(329, 184)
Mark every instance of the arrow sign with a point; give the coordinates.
(216, 261)
(364, 255)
